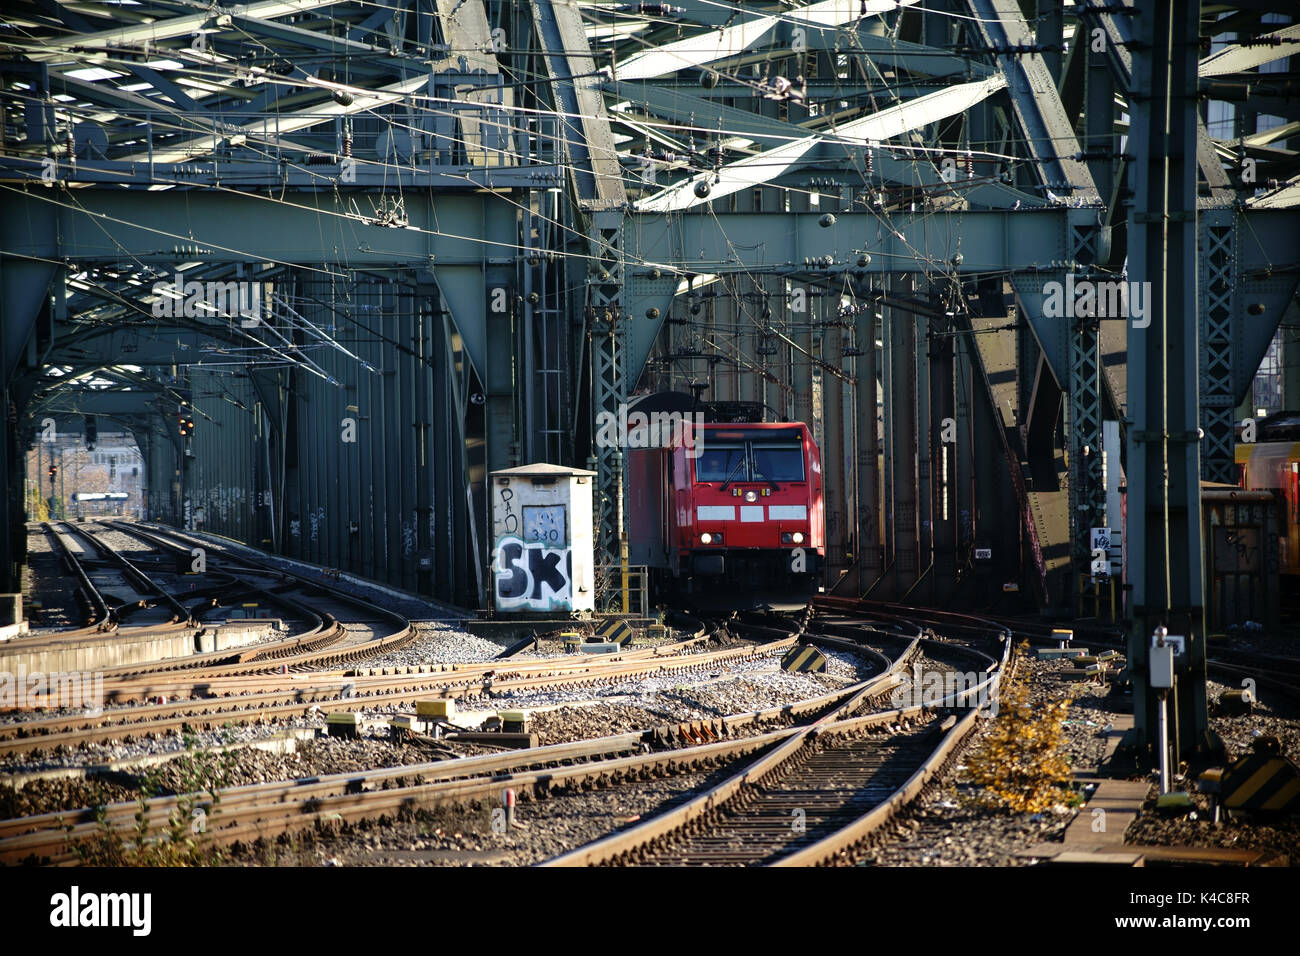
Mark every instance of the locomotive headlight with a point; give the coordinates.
(797, 537)
(792, 537)
(751, 495)
(714, 537)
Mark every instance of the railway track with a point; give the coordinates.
(137, 722)
(852, 763)
(266, 810)
(811, 798)
(293, 667)
(118, 592)
(824, 784)
(283, 681)
(153, 595)
(83, 557)
(99, 617)
(370, 630)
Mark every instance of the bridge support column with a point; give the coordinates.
(868, 461)
(1164, 538)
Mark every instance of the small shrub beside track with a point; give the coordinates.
(1020, 764)
(183, 840)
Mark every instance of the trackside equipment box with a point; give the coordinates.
(542, 542)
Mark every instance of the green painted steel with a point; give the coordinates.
(1164, 539)
(443, 196)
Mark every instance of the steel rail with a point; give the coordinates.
(834, 846)
(240, 679)
(622, 843)
(141, 581)
(206, 714)
(273, 688)
(252, 808)
(461, 767)
(103, 619)
(620, 847)
(1234, 664)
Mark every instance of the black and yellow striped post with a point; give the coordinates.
(615, 631)
(1264, 780)
(804, 660)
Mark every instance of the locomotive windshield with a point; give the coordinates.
(765, 457)
(778, 462)
(719, 461)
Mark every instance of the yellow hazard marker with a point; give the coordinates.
(513, 721)
(1262, 781)
(342, 724)
(615, 631)
(400, 726)
(431, 709)
(804, 660)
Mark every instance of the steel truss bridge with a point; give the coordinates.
(371, 251)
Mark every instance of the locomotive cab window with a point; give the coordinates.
(720, 461)
(738, 457)
(778, 461)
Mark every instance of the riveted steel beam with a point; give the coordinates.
(1164, 516)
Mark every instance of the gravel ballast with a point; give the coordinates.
(948, 827)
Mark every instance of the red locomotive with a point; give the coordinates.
(727, 507)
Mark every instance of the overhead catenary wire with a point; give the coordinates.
(733, 8)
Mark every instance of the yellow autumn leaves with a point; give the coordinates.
(1020, 765)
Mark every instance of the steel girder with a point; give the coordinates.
(596, 181)
(794, 244)
(623, 308)
(868, 445)
(1048, 133)
(1164, 535)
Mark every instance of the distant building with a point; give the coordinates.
(115, 466)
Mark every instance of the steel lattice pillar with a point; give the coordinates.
(604, 331)
(1087, 475)
(1217, 282)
